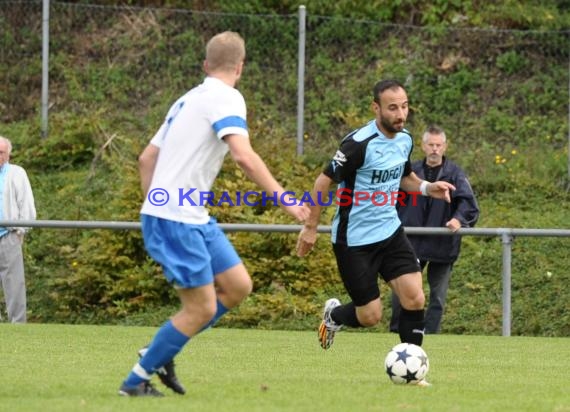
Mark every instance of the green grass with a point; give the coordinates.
(79, 368)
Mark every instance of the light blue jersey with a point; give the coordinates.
(368, 168)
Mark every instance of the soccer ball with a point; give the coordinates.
(406, 363)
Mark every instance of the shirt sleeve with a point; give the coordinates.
(24, 197)
(229, 115)
(158, 138)
(466, 207)
(408, 167)
(347, 159)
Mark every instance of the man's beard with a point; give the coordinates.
(390, 128)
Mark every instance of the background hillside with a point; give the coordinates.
(495, 76)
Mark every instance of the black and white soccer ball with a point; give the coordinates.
(406, 364)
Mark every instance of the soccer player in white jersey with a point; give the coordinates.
(368, 238)
(182, 160)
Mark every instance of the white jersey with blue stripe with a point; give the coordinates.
(192, 149)
(368, 164)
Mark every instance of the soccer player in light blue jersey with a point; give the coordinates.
(367, 235)
(197, 258)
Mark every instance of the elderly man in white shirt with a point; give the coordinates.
(16, 203)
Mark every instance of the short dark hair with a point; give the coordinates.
(384, 85)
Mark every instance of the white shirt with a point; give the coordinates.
(192, 150)
(18, 198)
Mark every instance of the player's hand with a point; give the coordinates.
(454, 225)
(299, 212)
(306, 240)
(440, 190)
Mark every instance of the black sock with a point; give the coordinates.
(346, 315)
(411, 326)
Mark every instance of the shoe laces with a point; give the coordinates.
(167, 369)
(330, 324)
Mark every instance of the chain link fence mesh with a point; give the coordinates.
(121, 67)
(508, 86)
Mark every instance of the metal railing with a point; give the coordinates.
(506, 234)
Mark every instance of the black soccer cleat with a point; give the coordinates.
(143, 389)
(167, 375)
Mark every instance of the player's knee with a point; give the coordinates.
(238, 292)
(417, 301)
(243, 290)
(413, 301)
(204, 316)
(199, 314)
(247, 288)
(369, 318)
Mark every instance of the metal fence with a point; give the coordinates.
(116, 53)
(506, 235)
(493, 72)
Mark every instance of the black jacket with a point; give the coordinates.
(430, 212)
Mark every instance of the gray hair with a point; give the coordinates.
(8, 143)
(434, 129)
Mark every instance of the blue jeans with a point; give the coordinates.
(438, 275)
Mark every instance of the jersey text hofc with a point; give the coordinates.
(368, 161)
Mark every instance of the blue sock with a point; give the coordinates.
(166, 344)
(219, 313)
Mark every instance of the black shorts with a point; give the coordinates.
(359, 266)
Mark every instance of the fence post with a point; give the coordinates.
(507, 239)
(568, 148)
(301, 80)
(45, 66)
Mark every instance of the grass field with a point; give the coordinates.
(79, 368)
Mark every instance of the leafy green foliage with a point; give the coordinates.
(115, 71)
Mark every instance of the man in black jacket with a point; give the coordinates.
(437, 252)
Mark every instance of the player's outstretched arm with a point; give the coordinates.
(308, 236)
(147, 163)
(440, 190)
(437, 190)
(256, 170)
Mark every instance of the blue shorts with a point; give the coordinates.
(190, 255)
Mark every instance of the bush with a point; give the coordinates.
(499, 104)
